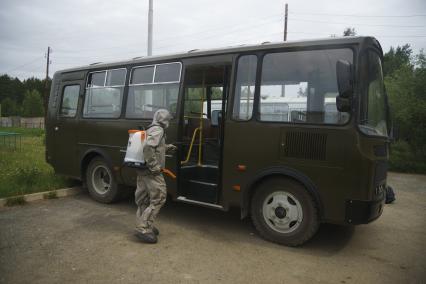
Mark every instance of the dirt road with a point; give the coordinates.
(78, 240)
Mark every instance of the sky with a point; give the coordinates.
(81, 32)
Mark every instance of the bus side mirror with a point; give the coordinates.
(345, 85)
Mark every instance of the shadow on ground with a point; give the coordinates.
(329, 239)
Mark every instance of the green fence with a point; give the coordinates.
(11, 140)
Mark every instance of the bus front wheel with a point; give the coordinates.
(101, 182)
(284, 212)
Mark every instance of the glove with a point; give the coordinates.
(169, 173)
(170, 148)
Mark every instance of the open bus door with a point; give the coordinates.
(201, 134)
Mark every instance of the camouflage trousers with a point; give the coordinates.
(150, 196)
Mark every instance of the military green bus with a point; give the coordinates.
(293, 133)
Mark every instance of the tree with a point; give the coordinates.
(9, 107)
(11, 88)
(302, 92)
(34, 84)
(405, 82)
(349, 32)
(32, 106)
(396, 58)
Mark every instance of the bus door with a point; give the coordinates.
(204, 95)
(65, 128)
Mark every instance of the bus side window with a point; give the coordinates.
(244, 87)
(151, 88)
(69, 101)
(302, 83)
(104, 93)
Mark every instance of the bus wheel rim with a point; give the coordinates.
(101, 179)
(282, 212)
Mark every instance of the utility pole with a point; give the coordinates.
(46, 85)
(285, 21)
(285, 39)
(150, 16)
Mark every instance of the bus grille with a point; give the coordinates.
(302, 145)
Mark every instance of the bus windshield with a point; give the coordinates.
(373, 112)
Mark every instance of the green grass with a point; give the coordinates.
(403, 159)
(50, 195)
(26, 171)
(13, 201)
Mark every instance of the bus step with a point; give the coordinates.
(201, 190)
(205, 204)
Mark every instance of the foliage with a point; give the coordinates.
(406, 84)
(396, 58)
(26, 171)
(50, 195)
(195, 96)
(403, 159)
(13, 201)
(349, 32)
(32, 106)
(9, 107)
(11, 88)
(15, 89)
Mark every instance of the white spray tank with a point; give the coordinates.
(134, 153)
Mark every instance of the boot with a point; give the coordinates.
(149, 238)
(155, 231)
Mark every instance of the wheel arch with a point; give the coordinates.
(88, 156)
(278, 172)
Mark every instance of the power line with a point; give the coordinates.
(359, 15)
(261, 22)
(269, 19)
(25, 64)
(355, 24)
(229, 32)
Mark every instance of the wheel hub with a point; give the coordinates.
(280, 212)
(101, 179)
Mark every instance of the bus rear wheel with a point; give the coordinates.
(101, 183)
(284, 212)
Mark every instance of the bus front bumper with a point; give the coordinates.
(363, 212)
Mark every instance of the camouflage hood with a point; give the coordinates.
(162, 118)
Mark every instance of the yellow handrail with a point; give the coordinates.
(200, 129)
(190, 147)
(200, 146)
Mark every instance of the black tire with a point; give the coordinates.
(101, 183)
(284, 193)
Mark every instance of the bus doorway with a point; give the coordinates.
(205, 92)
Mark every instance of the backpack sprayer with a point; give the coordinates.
(134, 154)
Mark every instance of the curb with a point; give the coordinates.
(64, 192)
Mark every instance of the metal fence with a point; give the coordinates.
(11, 140)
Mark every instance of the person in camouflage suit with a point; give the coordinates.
(151, 191)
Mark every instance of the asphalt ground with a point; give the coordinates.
(76, 240)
